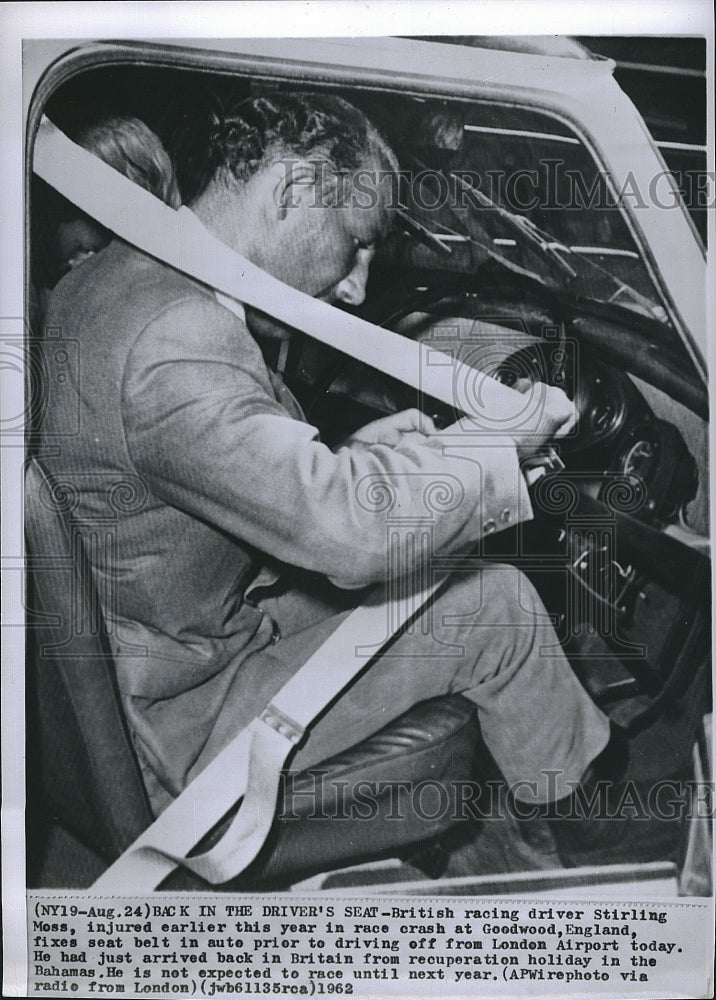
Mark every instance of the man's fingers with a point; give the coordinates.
(413, 420)
(412, 438)
(523, 385)
(569, 424)
(559, 412)
(565, 414)
(390, 430)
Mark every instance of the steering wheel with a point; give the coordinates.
(528, 313)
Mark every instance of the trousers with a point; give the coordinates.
(485, 635)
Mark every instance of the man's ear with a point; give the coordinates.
(303, 183)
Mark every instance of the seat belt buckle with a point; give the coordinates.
(282, 724)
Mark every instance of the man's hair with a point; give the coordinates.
(310, 126)
(130, 146)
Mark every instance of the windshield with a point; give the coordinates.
(525, 193)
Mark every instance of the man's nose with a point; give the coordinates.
(351, 289)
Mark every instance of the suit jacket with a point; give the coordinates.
(192, 470)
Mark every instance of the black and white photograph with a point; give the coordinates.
(356, 507)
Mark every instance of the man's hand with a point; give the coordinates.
(556, 416)
(406, 427)
(552, 416)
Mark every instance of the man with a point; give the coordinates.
(247, 540)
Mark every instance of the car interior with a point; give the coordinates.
(509, 251)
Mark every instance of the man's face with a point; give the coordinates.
(326, 240)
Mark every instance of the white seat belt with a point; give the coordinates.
(250, 765)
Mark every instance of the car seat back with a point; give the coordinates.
(79, 749)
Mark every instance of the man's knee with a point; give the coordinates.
(523, 629)
(496, 590)
(509, 587)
